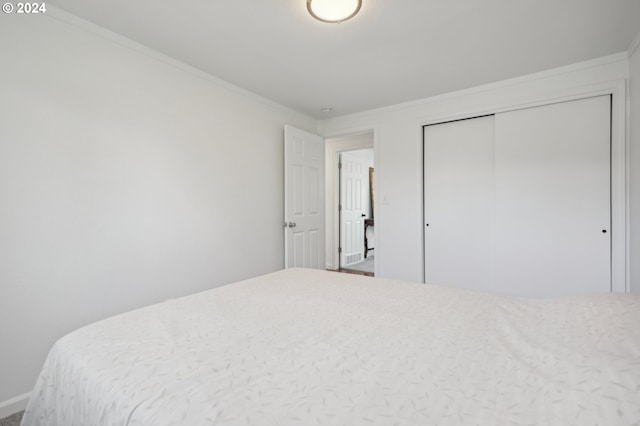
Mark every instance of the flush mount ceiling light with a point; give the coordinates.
(333, 11)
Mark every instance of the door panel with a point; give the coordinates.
(297, 250)
(314, 250)
(297, 198)
(313, 188)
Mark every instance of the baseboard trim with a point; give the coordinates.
(14, 405)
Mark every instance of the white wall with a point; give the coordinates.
(126, 178)
(634, 162)
(398, 149)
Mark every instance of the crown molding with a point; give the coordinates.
(634, 45)
(510, 82)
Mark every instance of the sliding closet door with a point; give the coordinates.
(553, 209)
(520, 203)
(458, 203)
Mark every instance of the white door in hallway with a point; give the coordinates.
(352, 207)
(304, 220)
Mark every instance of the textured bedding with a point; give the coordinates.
(308, 347)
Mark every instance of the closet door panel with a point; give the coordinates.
(552, 195)
(458, 203)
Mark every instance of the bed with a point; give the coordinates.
(308, 347)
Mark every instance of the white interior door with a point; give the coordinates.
(458, 203)
(304, 221)
(352, 208)
(553, 198)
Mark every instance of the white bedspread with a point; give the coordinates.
(306, 347)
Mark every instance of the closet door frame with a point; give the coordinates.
(619, 158)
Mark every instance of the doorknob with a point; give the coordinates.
(291, 224)
(363, 215)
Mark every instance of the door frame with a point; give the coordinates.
(619, 169)
(349, 140)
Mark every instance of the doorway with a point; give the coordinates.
(351, 236)
(356, 218)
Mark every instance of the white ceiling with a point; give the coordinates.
(393, 51)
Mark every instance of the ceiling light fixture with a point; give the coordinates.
(333, 11)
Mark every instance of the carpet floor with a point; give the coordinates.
(12, 420)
